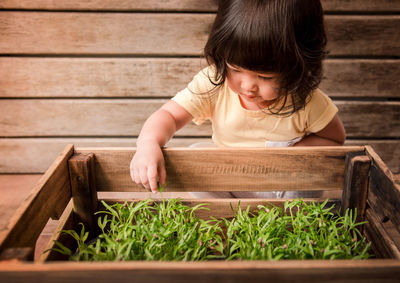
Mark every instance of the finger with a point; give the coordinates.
(152, 178)
(143, 177)
(137, 176)
(132, 171)
(162, 174)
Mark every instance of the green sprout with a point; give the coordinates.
(171, 231)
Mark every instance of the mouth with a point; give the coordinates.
(249, 96)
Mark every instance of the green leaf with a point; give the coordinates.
(61, 249)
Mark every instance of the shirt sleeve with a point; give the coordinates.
(196, 98)
(320, 110)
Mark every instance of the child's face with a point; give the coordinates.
(255, 90)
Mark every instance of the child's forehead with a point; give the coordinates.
(260, 72)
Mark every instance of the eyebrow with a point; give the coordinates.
(267, 75)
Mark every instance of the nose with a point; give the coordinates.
(248, 83)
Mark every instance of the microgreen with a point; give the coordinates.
(170, 230)
(298, 231)
(160, 188)
(146, 230)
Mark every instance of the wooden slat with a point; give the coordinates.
(67, 222)
(35, 155)
(241, 169)
(383, 193)
(363, 35)
(168, 34)
(363, 119)
(14, 189)
(82, 177)
(96, 33)
(114, 5)
(356, 180)
(79, 117)
(184, 5)
(388, 150)
(95, 77)
(47, 199)
(163, 77)
(21, 254)
(361, 78)
(346, 271)
(125, 117)
(361, 5)
(381, 241)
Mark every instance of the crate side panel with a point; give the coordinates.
(315, 168)
(34, 155)
(47, 199)
(213, 271)
(384, 192)
(382, 242)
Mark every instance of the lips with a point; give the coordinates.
(249, 96)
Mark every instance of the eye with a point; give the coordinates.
(265, 78)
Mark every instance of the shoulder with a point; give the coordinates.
(319, 111)
(203, 81)
(202, 86)
(198, 98)
(318, 98)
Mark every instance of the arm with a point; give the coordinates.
(147, 165)
(332, 135)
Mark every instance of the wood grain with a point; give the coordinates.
(384, 192)
(213, 271)
(366, 78)
(356, 181)
(241, 169)
(125, 117)
(168, 34)
(35, 155)
(21, 254)
(185, 5)
(14, 189)
(95, 77)
(98, 33)
(382, 242)
(363, 35)
(164, 77)
(82, 177)
(114, 5)
(47, 199)
(67, 222)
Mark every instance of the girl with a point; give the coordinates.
(259, 90)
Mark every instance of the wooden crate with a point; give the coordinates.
(68, 192)
(91, 72)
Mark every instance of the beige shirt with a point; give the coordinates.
(235, 126)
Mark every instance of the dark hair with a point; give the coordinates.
(281, 36)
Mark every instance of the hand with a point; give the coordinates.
(148, 166)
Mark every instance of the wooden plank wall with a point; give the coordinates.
(91, 72)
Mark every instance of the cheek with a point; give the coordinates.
(270, 91)
(232, 81)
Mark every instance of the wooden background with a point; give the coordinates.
(91, 72)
